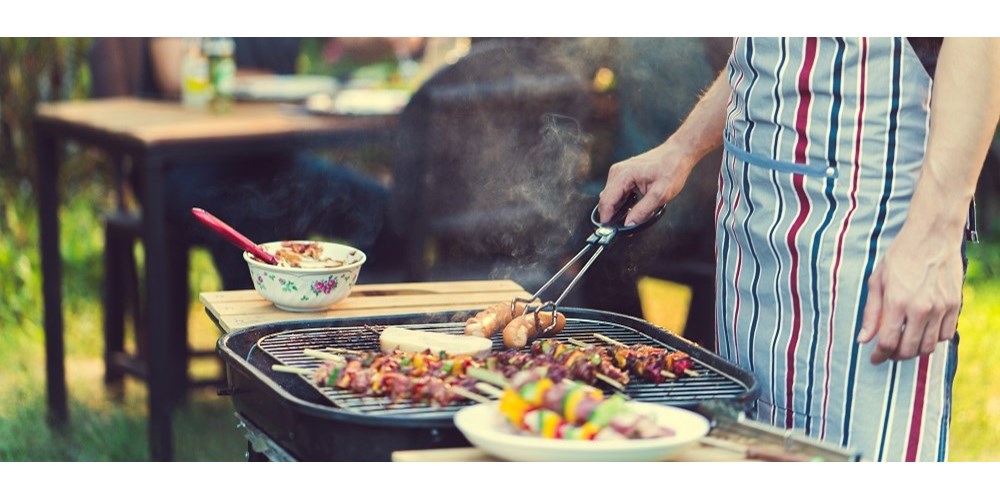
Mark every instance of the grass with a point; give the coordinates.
(111, 426)
(976, 413)
(104, 425)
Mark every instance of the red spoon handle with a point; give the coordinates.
(235, 237)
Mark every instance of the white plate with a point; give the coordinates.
(283, 87)
(488, 430)
(360, 102)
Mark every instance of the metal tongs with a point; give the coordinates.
(601, 238)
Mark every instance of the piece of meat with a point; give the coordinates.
(523, 329)
(493, 319)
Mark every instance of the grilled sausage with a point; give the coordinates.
(489, 321)
(523, 329)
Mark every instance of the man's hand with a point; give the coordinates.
(915, 292)
(914, 296)
(658, 174)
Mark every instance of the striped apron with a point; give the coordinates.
(824, 141)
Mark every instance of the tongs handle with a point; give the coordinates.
(607, 231)
(602, 236)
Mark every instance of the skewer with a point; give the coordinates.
(610, 381)
(488, 376)
(291, 369)
(609, 340)
(492, 390)
(459, 390)
(323, 355)
(600, 376)
(346, 351)
(689, 372)
(467, 394)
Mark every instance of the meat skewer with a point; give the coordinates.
(582, 368)
(651, 363)
(583, 360)
(429, 377)
(416, 378)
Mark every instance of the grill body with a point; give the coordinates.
(328, 424)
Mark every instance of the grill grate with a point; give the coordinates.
(286, 347)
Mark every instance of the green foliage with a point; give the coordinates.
(34, 70)
(984, 261)
(976, 412)
(105, 426)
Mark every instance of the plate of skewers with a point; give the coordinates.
(538, 419)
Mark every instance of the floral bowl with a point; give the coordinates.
(306, 289)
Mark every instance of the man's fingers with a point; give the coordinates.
(612, 196)
(949, 325)
(644, 208)
(873, 309)
(930, 340)
(919, 314)
(911, 338)
(889, 332)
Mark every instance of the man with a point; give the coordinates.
(842, 205)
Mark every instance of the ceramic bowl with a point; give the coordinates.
(307, 289)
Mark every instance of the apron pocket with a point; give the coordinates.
(781, 166)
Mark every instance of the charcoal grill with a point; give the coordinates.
(312, 423)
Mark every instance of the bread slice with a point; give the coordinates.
(406, 340)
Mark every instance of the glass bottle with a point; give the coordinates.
(222, 72)
(196, 88)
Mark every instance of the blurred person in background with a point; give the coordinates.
(842, 212)
(272, 196)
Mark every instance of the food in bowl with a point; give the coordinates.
(310, 275)
(309, 254)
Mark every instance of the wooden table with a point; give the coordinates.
(244, 308)
(696, 453)
(151, 133)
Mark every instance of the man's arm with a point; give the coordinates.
(166, 55)
(660, 173)
(916, 291)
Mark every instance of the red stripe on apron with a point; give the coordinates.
(801, 143)
(916, 418)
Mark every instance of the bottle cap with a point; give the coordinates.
(220, 46)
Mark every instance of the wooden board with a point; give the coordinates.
(697, 453)
(244, 308)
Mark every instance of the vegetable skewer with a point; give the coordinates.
(566, 409)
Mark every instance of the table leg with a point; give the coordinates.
(161, 360)
(48, 208)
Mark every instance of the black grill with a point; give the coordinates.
(314, 423)
(286, 347)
